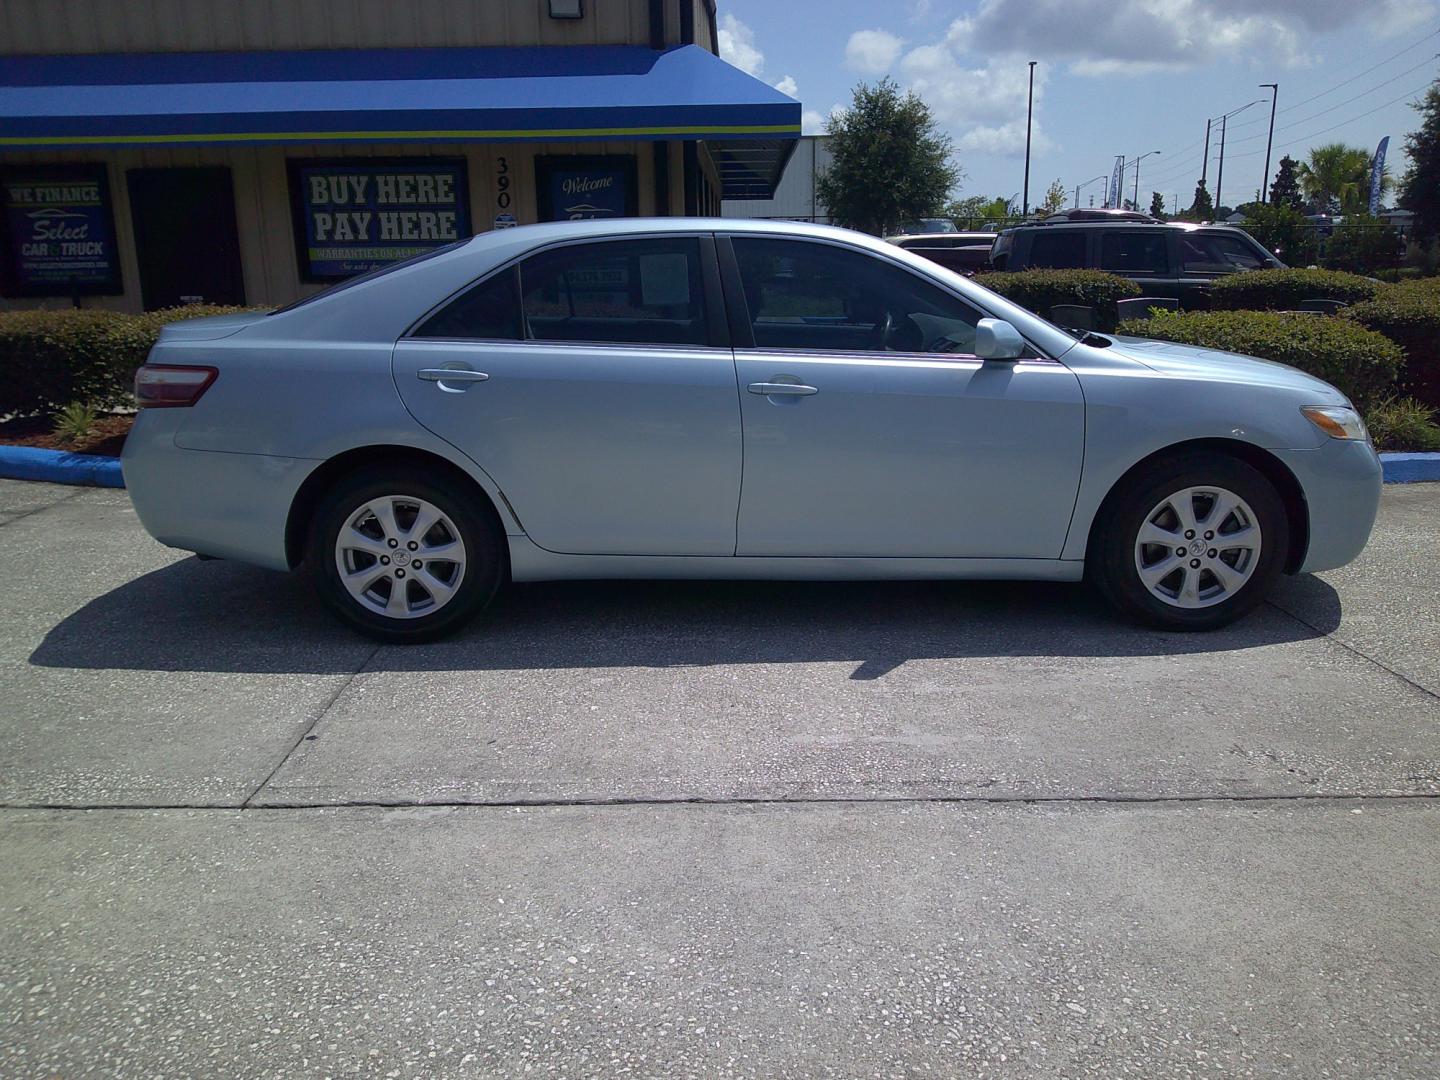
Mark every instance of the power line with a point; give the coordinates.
(1325, 93)
(1330, 109)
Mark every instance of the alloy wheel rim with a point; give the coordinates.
(400, 556)
(1197, 547)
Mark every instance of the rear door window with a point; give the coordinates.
(1132, 253)
(626, 292)
(1058, 250)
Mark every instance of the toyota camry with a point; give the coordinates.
(685, 398)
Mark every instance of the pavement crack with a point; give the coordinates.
(1356, 651)
(320, 713)
(699, 800)
(72, 494)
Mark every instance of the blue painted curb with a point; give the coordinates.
(60, 467)
(1410, 468)
(63, 467)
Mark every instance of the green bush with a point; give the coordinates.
(1362, 245)
(1360, 363)
(1041, 290)
(1283, 230)
(51, 358)
(1409, 315)
(1283, 290)
(1403, 424)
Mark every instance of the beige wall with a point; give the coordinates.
(86, 26)
(262, 200)
(263, 216)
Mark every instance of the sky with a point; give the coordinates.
(1112, 77)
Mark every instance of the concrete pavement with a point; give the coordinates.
(639, 811)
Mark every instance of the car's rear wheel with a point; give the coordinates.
(1191, 542)
(404, 558)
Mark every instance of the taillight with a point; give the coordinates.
(171, 385)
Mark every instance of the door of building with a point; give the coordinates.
(185, 236)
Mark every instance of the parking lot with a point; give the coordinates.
(711, 829)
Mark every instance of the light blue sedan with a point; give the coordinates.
(682, 398)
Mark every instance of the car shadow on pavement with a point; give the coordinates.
(226, 617)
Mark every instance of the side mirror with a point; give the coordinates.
(996, 339)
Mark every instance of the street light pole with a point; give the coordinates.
(1086, 184)
(1205, 162)
(1139, 159)
(1029, 115)
(1269, 141)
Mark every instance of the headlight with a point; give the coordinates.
(1337, 421)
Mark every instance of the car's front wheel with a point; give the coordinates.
(404, 558)
(1191, 542)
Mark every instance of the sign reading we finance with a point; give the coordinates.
(57, 232)
(356, 216)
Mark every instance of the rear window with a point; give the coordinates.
(1058, 250)
(360, 279)
(1133, 253)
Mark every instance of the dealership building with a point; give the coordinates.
(158, 152)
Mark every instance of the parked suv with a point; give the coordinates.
(1163, 258)
(964, 252)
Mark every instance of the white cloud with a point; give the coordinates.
(737, 46)
(787, 86)
(812, 122)
(984, 106)
(1138, 37)
(872, 51)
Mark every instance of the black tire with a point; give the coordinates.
(1111, 560)
(475, 522)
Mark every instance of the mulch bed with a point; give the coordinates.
(107, 437)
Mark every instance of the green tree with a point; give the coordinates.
(1055, 199)
(1336, 179)
(978, 209)
(1285, 191)
(1420, 190)
(1284, 230)
(1201, 208)
(891, 162)
(1157, 204)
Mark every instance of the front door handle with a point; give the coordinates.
(781, 389)
(446, 378)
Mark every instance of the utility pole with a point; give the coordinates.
(1265, 180)
(1220, 172)
(1029, 115)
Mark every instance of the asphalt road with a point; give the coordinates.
(711, 830)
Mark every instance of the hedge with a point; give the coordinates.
(1409, 315)
(1284, 290)
(51, 358)
(1360, 363)
(1041, 290)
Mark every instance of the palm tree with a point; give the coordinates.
(1337, 178)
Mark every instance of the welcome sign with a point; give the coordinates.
(59, 233)
(585, 188)
(356, 216)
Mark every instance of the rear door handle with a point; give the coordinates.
(450, 374)
(448, 378)
(781, 389)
